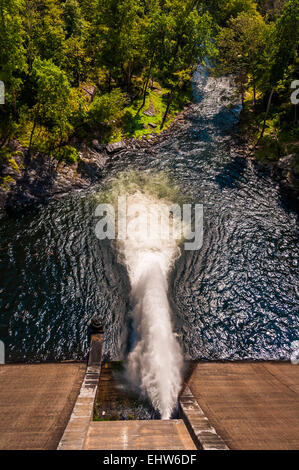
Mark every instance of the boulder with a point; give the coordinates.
(152, 125)
(289, 170)
(287, 162)
(9, 171)
(116, 147)
(97, 146)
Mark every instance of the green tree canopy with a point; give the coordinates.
(243, 49)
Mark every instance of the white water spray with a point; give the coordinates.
(156, 361)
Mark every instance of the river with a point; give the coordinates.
(233, 299)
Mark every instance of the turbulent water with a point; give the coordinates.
(155, 363)
(233, 299)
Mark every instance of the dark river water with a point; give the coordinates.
(233, 299)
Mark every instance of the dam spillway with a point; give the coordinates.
(83, 433)
(235, 300)
(249, 405)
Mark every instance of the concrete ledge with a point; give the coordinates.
(75, 433)
(203, 434)
(252, 405)
(36, 402)
(139, 435)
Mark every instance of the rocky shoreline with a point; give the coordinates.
(40, 180)
(283, 171)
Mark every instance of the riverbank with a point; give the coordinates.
(277, 151)
(26, 183)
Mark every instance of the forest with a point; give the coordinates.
(76, 70)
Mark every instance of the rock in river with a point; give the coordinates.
(116, 147)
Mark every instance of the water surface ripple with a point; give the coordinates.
(234, 299)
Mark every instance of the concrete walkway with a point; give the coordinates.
(138, 435)
(251, 405)
(36, 401)
(240, 405)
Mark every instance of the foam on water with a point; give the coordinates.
(155, 363)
